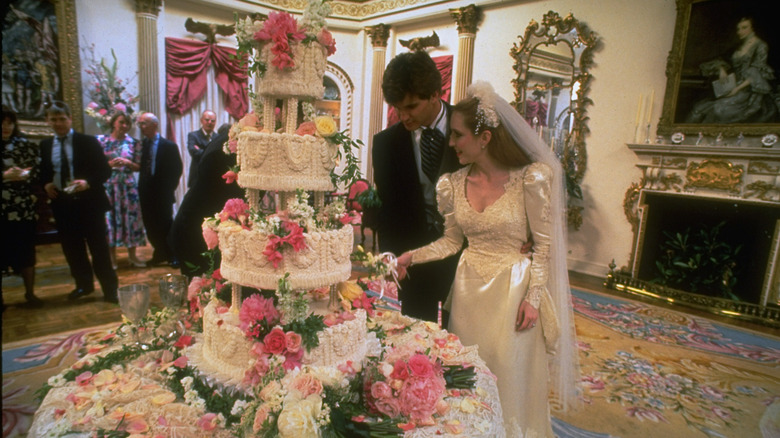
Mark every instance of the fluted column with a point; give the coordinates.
(467, 19)
(148, 68)
(379, 35)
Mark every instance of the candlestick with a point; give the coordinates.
(647, 135)
(638, 109)
(650, 105)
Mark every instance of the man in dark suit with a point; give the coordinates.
(159, 176)
(408, 159)
(197, 142)
(73, 170)
(205, 198)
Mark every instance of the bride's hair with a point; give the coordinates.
(501, 146)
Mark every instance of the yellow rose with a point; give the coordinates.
(349, 290)
(326, 126)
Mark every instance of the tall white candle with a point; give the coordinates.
(650, 106)
(638, 109)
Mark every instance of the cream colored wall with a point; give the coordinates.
(635, 39)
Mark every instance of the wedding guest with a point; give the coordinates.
(20, 168)
(197, 142)
(408, 159)
(73, 171)
(125, 226)
(161, 169)
(205, 198)
(514, 306)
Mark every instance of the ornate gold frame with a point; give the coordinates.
(554, 30)
(70, 71)
(676, 64)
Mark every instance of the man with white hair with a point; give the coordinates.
(161, 168)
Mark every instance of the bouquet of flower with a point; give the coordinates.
(107, 92)
(283, 32)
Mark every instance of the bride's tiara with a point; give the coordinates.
(486, 113)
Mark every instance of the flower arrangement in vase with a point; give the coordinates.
(107, 92)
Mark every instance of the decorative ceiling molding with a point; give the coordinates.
(350, 10)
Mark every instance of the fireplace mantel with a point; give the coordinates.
(743, 174)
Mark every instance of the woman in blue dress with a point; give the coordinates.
(125, 227)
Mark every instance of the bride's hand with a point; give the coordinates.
(403, 262)
(527, 316)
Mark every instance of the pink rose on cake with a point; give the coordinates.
(255, 310)
(236, 209)
(275, 342)
(306, 128)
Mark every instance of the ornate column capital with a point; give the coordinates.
(467, 18)
(148, 6)
(379, 34)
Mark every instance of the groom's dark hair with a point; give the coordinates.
(412, 73)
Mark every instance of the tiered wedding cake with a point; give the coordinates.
(307, 246)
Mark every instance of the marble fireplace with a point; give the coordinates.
(695, 187)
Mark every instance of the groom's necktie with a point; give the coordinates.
(431, 149)
(64, 163)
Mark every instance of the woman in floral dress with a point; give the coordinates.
(20, 167)
(125, 227)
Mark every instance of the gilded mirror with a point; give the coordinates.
(552, 62)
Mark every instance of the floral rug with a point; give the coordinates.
(647, 372)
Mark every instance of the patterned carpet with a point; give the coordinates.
(647, 372)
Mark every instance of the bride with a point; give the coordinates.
(516, 307)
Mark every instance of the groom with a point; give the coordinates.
(408, 159)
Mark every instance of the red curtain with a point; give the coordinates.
(186, 66)
(444, 64)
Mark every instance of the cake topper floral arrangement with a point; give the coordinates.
(283, 32)
(107, 92)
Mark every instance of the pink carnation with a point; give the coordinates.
(210, 236)
(235, 208)
(256, 308)
(326, 39)
(419, 397)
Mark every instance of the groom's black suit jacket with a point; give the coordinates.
(402, 223)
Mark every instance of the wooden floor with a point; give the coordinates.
(53, 283)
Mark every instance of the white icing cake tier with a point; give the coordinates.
(323, 262)
(223, 350)
(302, 80)
(285, 162)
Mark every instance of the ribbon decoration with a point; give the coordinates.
(391, 268)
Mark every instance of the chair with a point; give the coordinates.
(355, 189)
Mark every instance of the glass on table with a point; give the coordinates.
(134, 302)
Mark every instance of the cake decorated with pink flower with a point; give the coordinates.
(283, 235)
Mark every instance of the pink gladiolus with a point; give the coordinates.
(295, 238)
(210, 236)
(183, 341)
(180, 362)
(230, 177)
